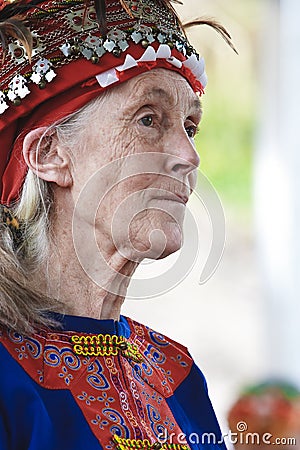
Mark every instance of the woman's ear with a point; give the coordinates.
(46, 158)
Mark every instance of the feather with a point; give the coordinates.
(100, 7)
(168, 3)
(14, 9)
(216, 26)
(127, 9)
(15, 28)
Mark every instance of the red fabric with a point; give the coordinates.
(74, 86)
(136, 389)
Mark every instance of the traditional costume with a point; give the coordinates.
(90, 384)
(103, 385)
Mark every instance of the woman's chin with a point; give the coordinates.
(166, 241)
(155, 242)
(170, 249)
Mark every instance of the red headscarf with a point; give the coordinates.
(75, 83)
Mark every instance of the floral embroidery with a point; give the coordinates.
(99, 422)
(106, 399)
(65, 375)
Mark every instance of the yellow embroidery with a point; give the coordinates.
(132, 444)
(104, 345)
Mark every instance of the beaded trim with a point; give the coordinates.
(81, 39)
(12, 223)
(105, 345)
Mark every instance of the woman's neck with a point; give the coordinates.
(89, 282)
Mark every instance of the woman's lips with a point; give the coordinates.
(179, 198)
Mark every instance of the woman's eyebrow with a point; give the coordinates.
(162, 93)
(159, 93)
(147, 95)
(197, 105)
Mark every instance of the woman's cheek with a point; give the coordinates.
(150, 137)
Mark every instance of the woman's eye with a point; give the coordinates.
(147, 121)
(191, 131)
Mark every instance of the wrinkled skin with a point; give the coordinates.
(143, 127)
(156, 112)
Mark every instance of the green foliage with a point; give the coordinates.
(225, 144)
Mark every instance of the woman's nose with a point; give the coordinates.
(181, 155)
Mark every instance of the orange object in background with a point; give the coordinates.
(266, 415)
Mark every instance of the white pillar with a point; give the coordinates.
(277, 185)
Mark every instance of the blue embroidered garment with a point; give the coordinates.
(78, 387)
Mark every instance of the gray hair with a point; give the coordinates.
(23, 306)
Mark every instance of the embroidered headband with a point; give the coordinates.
(57, 55)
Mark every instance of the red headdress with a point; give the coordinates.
(57, 55)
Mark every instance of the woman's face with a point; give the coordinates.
(139, 150)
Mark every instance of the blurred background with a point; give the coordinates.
(242, 326)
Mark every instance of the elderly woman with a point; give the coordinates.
(99, 108)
